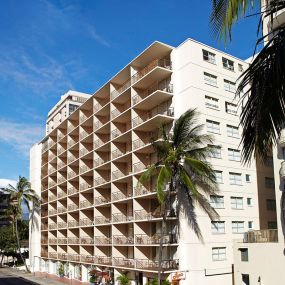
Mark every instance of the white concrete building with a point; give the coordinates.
(94, 215)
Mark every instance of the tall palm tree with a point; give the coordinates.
(263, 112)
(21, 195)
(182, 168)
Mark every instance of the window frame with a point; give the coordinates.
(228, 64)
(219, 252)
(209, 56)
(233, 157)
(235, 205)
(213, 123)
(238, 228)
(230, 129)
(211, 81)
(235, 180)
(217, 204)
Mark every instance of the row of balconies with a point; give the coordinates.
(147, 264)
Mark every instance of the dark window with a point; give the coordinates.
(245, 279)
(244, 254)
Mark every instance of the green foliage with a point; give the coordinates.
(61, 270)
(155, 282)
(7, 239)
(92, 279)
(123, 279)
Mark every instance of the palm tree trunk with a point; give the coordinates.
(19, 246)
(163, 229)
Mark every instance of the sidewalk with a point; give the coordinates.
(41, 278)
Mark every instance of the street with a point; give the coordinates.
(9, 279)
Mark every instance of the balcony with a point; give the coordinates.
(61, 194)
(83, 134)
(261, 236)
(52, 226)
(61, 240)
(162, 110)
(106, 260)
(282, 169)
(61, 179)
(51, 197)
(138, 167)
(51, 184)
(116, 196)
(73, 240)
(44, 254)
(123, 240)
(87, 258)
(86, 222)
(98, 143)
(61, 210)
(99, 240)
(62, 225)
(155, 239)
(62, 256)
(71, 174)
(71, 143)
(85, 204)
(44, 146)
(84, 168)
(99, 161)
(60, 150)
(73, 224)
(71, 158)
(72, 207)
(61, 164)
(52, 255)
(84, 186)
(117, 174)
(142, 190)
(101, 200)
(157, 70)
(144, 215)
(74, 257)
(52, 241)
(83, 151)
(120, 218)
(123, 262)
(117, 153)
(71, 190)
(101, 220)
(100, 180)
(86, 240)
(123, 88)
(172, 264)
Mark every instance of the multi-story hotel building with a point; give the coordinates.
(86, 169)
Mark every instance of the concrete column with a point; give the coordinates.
(144, 280)
(85, 276)
(71, 271)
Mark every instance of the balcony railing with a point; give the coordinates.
(170, 264)
(51, 184)
(72, 207)
(83, 134)
(86, 222)
(84, 168)
(165, 63)
(117, 174)
(61, 225)
(83, 151)
(71, 158)
(98, 161)
(44, 146)
(62, 240)
(121, 239)
(100, 180)
(117, 153)
(61, 179)
(98, 143)
(60, 136)
(71, 190)
(51, 170)
(52, 255)
(71, 174)
(73, 223)
(61, 194)
(62, 256)
(82, 118)
(116, 132)
(155, 239)
(162, 86)
(138, 166)
(85, 185)
(120, 195)
(52, 226)
(51, 197)
(61, 210)
(85, 204)
(124, 262)
(261, 236)
(118, 218)
(142, 190)
(74, 257)
(71, 128)
(106, 260)
(60, 150)
(101, 220)
(61, 164)
(159, 110)
(115, 113)
(87, 258)
(52, 240)
(101, 200)
(144, 215)
(102, 240)
(86, 240)
(44, 254)
(73, 240)
(70, 143)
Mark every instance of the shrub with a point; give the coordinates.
(123, 279)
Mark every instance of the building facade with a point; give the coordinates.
(94, 214)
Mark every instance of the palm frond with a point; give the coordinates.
(163, 179)
(149, 172)
(263, 115)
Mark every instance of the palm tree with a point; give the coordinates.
(182, 168)
(21, 195)
(263, 112)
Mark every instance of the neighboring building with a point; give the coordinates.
(4, 202)
(68, 103)
(87, 169)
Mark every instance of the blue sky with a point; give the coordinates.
(49, 47)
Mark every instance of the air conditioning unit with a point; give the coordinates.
(170, 112)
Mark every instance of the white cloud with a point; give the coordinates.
(5, 182)
(19, 135)
(93, 33)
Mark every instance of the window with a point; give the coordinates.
(211, 102)
(247, 178)
(209, 56)
(219, 176)
(237, 202)
(269, 182)
(250, 225)
(210, 79)
(228, 64)
(271, 204)
(213, 127)
(233, 154)
(72, 108)
(229, 86)
(238, 227)
(249, 202)
(218, 253)
(245, 279)
(217, 202)
(235, 178)
(218, 227)
(243, 254)
(216, 151)
(232, 131)
(231, 108)
(240, 67)
(272, 225)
